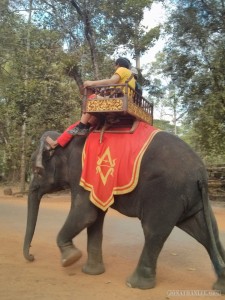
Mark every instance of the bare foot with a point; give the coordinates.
(53, 144)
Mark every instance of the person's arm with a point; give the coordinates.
(113, 80)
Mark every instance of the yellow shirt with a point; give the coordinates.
(125, 74)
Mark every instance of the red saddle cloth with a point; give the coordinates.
(112, 167)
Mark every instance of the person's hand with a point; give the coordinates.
(88, 83)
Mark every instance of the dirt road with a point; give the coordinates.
(183, 263)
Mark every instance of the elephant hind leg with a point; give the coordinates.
(197, 227)
(144, 276)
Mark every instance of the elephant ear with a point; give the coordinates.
(43, 146)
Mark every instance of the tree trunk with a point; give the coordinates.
(23, 158)
(138, 61)
(89, 35)
(23, 131)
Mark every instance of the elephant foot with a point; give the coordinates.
(142, 283)
(70, 255)
(93, 269)
(219, 285)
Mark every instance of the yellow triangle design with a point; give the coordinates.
(105, 161)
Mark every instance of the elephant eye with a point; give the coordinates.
(47, 154)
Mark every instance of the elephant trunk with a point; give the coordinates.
(32, 214)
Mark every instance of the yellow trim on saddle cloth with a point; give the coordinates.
(118, 190)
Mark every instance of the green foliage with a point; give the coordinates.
(45, 46)
(193, 61)
(35, 88)
(163, 125)
(46, 53)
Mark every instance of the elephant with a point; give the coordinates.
(172, 190)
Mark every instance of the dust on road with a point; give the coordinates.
(183, 263)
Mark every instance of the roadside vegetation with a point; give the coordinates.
(47, 49)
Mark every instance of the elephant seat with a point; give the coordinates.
(119, 106)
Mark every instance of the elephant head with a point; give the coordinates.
(49, 174)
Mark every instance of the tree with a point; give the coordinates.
(48, 40)
(35, 86)
(195, 54)
(165, 94)
(125, 20)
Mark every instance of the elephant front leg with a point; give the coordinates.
(94, 264)
(69, 254)
(82, 215)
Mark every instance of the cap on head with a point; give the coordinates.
(123, 62)
(134, 71)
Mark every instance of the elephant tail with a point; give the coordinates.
(216, 256)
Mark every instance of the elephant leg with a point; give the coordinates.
(144, 276)
(196, 226)
(69, 254)
(82, 214)
(94, 264)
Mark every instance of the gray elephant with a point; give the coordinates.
(171, 191)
